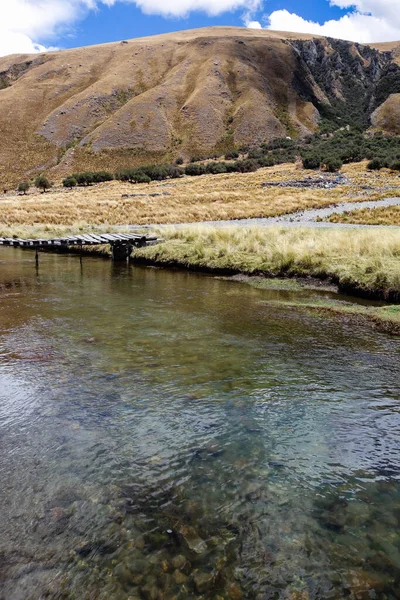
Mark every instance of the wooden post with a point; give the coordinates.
(121, 251)
(37, 257)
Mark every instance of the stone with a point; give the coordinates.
(138, 566)
(122, 573)
(203, 581)
(178, 561)
(139, 542)
(193, 540)
(234, 592)
(179, 577)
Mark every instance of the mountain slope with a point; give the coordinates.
(185, 93)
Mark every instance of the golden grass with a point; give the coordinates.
(385, 215)
(363, 261)
(191, 199)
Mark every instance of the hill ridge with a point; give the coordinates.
(204, 91)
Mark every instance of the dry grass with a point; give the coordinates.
(358, 260)
(210, 197)
(389, 215)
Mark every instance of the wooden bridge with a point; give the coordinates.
(121, 243)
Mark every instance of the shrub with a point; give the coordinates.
(333, 164)
(124, 175)
(231, 155)
(23, 187)
(42, 183)
(311, 162)
(256, 153)
(85, 178)
(179, 160)
(69, 182)
(195, 169)
(214, 168)
(100, 176)
(266, 161)
(247, 166)
(174, 172)
(395, 165)
(375, 164)
(231, 167)
(140, 177)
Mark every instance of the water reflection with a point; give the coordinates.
(168, 435)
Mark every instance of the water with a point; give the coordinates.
(170, 435)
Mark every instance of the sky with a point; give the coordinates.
(42, 25)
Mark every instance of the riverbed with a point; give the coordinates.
(174, 435)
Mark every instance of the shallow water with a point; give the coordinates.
(171, 435)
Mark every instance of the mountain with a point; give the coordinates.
(188, 93)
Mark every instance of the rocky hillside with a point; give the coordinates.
(184, 94)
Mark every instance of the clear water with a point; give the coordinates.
(170, 435)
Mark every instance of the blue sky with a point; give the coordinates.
(124, 21)
(40, 25)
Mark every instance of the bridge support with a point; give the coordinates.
(121, 250)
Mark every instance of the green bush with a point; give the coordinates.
(311, 162)
(179, 160)
(333, 164)
(100, 176)
(69, 182)
(85, 178)
(395, 165)
(195, 169)
(23, 187)
(140, 177)
(42, 183)
(375, 164)
(247, 166)
(255, 153)
(215, 168)
(231, 155)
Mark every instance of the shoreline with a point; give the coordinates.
(343, 301)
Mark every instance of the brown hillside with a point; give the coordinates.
(156, 98)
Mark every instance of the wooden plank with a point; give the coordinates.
(125, 236)
(97, 239)
(115, 237)
(90, 239)
(108, 237)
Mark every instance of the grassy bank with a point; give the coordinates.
(362, 262)
(387, 215)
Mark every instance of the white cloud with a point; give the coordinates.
(181, 8)
(368, 21)
(254, 25)
(23, 23)
(353, 26)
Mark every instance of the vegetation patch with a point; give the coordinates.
(362, 263)
(385, 215)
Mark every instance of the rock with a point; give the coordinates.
(178, 561)
(193, 540)
(179, 577)
(234, 592)
(122, 573)
(203, 581)
(138, 566)
(139, 542)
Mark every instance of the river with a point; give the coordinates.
(172, 435)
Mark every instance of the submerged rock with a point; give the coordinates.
(179, 577)
(193, 540)
(203, 581)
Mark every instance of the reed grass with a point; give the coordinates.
(386, 215)
(362, 261)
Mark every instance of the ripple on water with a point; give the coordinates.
(178, 442)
